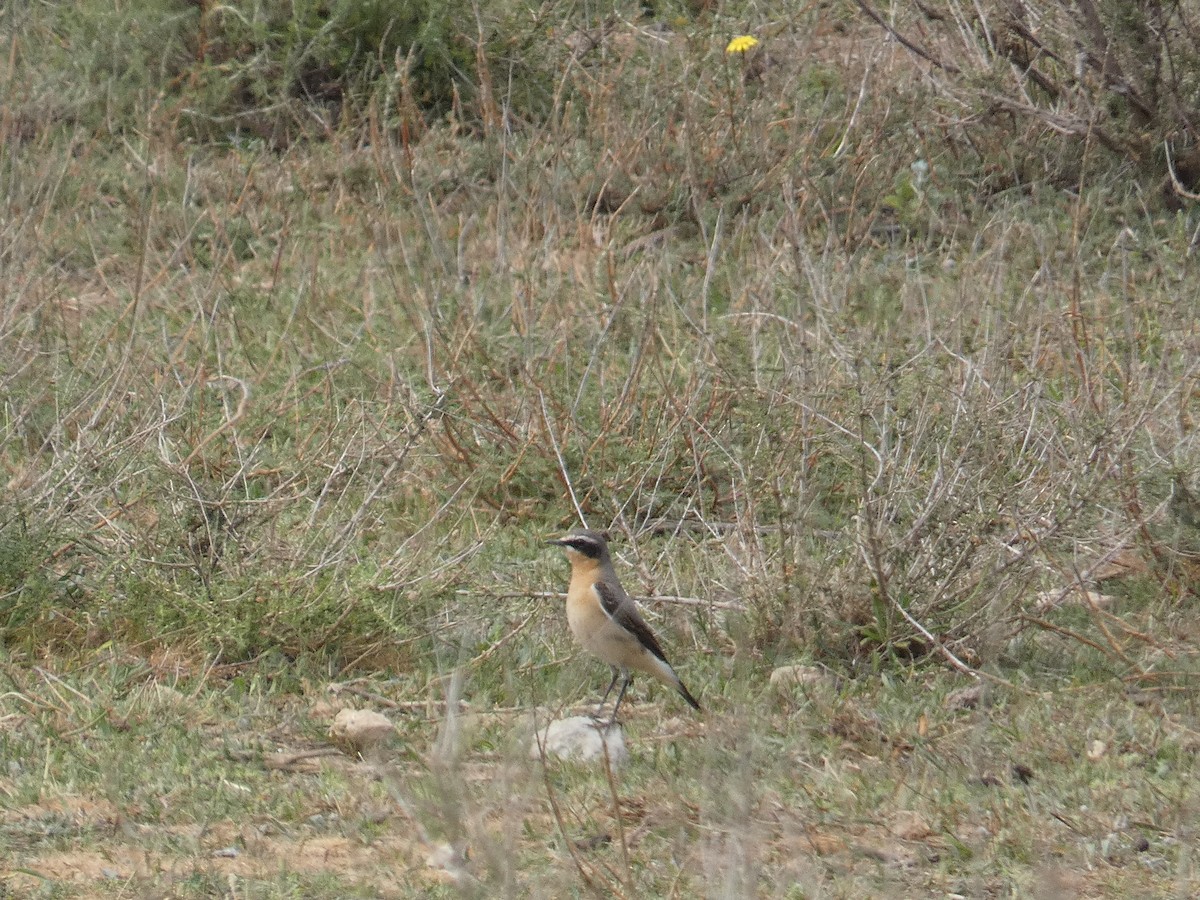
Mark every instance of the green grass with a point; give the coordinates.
(284, 421)
(855, 787)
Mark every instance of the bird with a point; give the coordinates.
(606, 620)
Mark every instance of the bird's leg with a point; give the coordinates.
(616, 674)
(621, 696)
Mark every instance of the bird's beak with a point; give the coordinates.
(557, 542)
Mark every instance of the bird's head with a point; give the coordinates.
(583, 545)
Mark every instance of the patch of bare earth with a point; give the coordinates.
(116, 851)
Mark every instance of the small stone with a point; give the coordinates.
(582, 739)
(785, 678)
(1096, 750)
(967, 697)
(449, 860)
(1044, 601)
(360, 730)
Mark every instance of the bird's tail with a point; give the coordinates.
(687, 695)
(662, 670)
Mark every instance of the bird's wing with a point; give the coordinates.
(624, 612)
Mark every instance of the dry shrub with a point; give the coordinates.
(713, 300)
(1060, 76)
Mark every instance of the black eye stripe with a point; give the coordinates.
(585, 545)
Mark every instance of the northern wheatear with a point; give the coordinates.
(606, 620)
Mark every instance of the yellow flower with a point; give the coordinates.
(741, 44)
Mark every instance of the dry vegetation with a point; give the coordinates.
(864, 370)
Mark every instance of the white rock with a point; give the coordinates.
(784, 678)
(1044, 601)
(449, 860)
(582, 739)
(360, 729)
